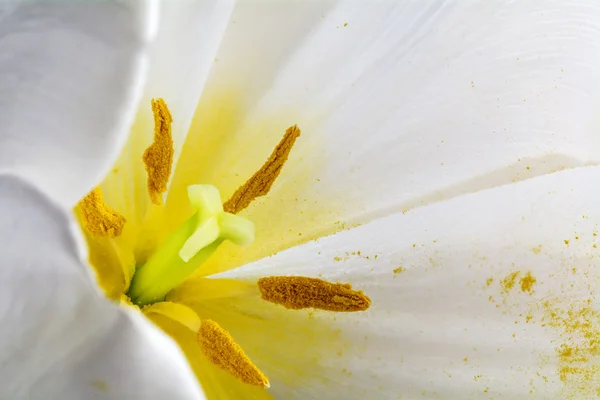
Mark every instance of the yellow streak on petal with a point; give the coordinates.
(98, 218)
(218, 345)
(158, 158)
(297, 292)
(177, 312)
(226, 144)
(260, 183)
(201, 290)
(152, 233)
(109, 267)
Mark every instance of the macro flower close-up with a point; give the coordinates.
(299, 200)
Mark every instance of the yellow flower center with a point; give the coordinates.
(187, 247)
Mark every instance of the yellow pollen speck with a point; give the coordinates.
(527, 282)
(100, 385)
(159, 156)
(399, 270)
(260, 183)
(509, 282)
(218, 345)
(98, 218)
(297, 292)
(528, 318)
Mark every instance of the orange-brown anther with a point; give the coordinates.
(260, 183)
(297, 292)
(98, 218)
(158, 158)
(218, 345)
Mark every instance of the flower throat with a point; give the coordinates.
(187, 247)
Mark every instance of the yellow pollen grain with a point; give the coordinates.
(260, 183)
(399, 270)
(218, 345)
(158, 158)
(509, 281)
(298, 292)
(98, 218)
(527, 282)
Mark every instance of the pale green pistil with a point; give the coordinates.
(190, 245)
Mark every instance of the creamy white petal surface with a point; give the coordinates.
(405, 103)
(486, 295)
(59, 337)
(70, 77)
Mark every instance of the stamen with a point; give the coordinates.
(98, 218)
(159, 156)
(297, 292)
(260, 183)
(218, 345)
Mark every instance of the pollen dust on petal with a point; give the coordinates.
(220, 348)
(260, 183)
(158, 158)
(509, 281)
(98, 218)
(298, 292)
(576, 322)
(527, 282)
(399, 270)
(579, 350)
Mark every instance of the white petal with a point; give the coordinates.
(58, 337)
(407, 104)
(417, 102)
(70, 75)
(448, 318)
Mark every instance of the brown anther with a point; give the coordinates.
(218, 345)
(158, 158)
(98, 218)
(297, 292)
(260, 183)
